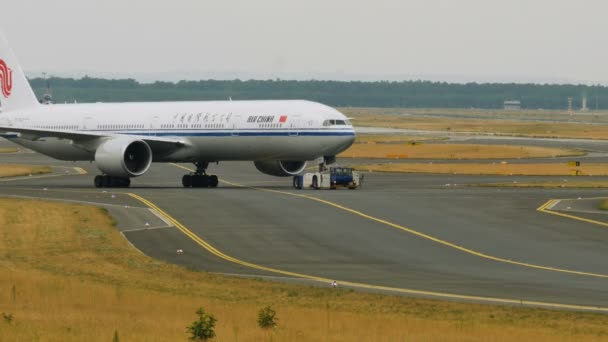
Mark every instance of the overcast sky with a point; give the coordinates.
(451, 40)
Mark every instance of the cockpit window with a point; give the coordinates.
(336, 123)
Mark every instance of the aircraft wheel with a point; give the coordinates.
(213, 181)
(106, 182)
(200, 181)
(315, 183)
(195, 181)
(296, 182)
(98, 181)
(187, 181)
(121, 182)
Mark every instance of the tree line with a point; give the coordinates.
(413, 94)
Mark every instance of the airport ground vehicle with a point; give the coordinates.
(332, 178)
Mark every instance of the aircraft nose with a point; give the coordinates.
(349, 140)
(345, 142)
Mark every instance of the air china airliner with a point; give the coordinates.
(123, 139)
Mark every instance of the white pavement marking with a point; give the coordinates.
(132, 245)
(157, 214)
(146, 228)
(552, 205)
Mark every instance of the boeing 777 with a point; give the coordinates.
(123, 139)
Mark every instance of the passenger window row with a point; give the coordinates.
(127, 126)
(57, 126)
(212, 125)
(270, 125)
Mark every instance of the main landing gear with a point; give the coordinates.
(105, 181)
(199, 178)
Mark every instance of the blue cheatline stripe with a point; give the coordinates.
(252, 134)
(221, 133)
(220, 130)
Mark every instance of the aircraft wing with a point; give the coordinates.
(81, 137)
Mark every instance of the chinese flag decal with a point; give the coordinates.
(283, 118)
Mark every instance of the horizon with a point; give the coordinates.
(148, 78)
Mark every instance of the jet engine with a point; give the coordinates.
(280, 168)
(123, 157)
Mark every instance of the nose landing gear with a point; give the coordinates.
(199, 178)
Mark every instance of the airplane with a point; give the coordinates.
(123, 139)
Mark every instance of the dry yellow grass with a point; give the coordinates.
(528, 114)
(548, 169)
(382, 138)
(68, 275)
(373, 118)
(550, 185)
(453, 151)
(14, 170)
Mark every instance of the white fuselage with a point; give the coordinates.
(214, 130)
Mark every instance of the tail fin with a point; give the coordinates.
(15, 90)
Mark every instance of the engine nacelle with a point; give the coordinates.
(280, 168)
(124, 157)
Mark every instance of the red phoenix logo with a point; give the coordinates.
(6, 79)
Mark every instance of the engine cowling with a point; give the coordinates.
(280, 168)
(124, 157)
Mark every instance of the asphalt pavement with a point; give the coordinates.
(429, 235)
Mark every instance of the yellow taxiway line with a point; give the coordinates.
(226, 257)
(420, 234)
(437, 240)
(545, 208)
(211, 249)
(208, 247)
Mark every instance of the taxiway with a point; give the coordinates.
(428, 235)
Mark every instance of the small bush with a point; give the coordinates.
(204, 328)
(267, 318)
(8, 317)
